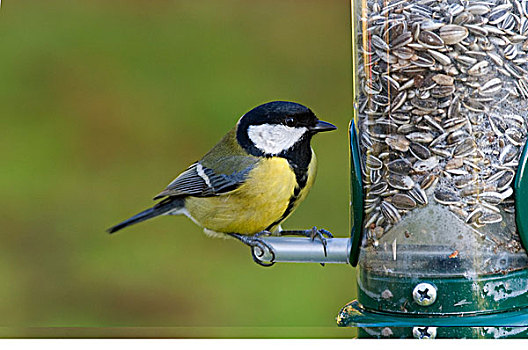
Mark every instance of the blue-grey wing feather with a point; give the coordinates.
(200, 181)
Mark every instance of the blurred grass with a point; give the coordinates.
(103, 103)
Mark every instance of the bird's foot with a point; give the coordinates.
(312, 233)
(258, 246)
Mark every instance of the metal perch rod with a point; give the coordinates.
(304, 250)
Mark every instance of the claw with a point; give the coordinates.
(319, 234)
(326, 233)
(258, 246)
(313, 233)
(261, 233)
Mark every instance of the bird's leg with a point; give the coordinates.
(311, 233)
(257, 245)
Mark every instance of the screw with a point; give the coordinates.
(386, 332)
(424, 294)
(424, 332)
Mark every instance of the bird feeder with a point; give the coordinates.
(438, 156)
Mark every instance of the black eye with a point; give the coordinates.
(290, 121)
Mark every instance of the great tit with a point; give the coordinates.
(251, 181)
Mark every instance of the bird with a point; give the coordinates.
(250, 181)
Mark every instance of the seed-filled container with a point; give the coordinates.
(440, 125)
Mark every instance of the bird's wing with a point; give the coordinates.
(201, 181)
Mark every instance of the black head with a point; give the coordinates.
(279, 127)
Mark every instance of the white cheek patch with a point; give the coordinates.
(273, 139)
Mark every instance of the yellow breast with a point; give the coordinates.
(260, 202)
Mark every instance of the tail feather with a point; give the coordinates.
(161, 208)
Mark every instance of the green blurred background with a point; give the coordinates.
(105, 102)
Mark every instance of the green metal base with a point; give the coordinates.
(456, 295)
(512, 324)
(354, 315)
(488, 306)
(444, 332)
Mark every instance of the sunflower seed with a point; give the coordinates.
(489, 218)
(445, 196)
(379, 43)
(422, 137)
(515, 136)
(507, 154)
(373, 163)
(398, 142)
(399, 166)
(479, 68)
(478, 9)
(430, 40)
(400, 182)
(419, 151)
(423, 166)
(428, 181)
(510, 52)
(465, 148)
(390, 212)
(491, 87)
(452, 34)
(403, 201)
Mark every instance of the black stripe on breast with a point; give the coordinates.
(299, 157)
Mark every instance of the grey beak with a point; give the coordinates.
(322, 126)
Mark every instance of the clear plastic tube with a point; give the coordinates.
(441, 101)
